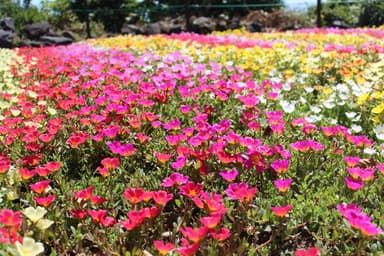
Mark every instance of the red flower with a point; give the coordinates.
(163, 248)
(97, 215)
(281, 211)
(44, 201)
(211, 221)
(40, 187)
(5, 164)
(162, 157)
(312, 251)
(133, 195)
(78, 214)
(110, 163)
(161, 197)
(187, 249)
(84, 194)
(194, 235)
(26, 174)
(75, 140)
(53, 166)
(191, 189)
(97, 200)
(220, 235)
(10, 219)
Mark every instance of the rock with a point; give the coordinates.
(6, 39)
(203, 25)
(153, 29)
(234, 23)
(176, 28)
(31, 43)
(254, 27)
(36, 30)
(55, 40)
(7, 24)
(68, 34)
(130, 29)
(339, 24)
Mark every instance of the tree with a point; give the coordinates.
(111, 13)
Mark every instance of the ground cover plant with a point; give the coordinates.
(225, 144)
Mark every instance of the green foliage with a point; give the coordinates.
(372, 14)
(22, 16)
(338, 11)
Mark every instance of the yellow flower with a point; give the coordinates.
(378, 109)
(362, 99)
(29, 247)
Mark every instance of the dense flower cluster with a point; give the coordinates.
(188, 144)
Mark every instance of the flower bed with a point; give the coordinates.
(208, 145)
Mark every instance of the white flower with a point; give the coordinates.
(315, 109)
(350, 115)
(29, 247)
(369, 151)
(35, 214)
(328, 104)
(379, 131)
(356, 128)
(288, 107)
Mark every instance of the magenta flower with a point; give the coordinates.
(121, 149)
(179, 163)
(359, 220)
(380, 167)
(354, 172)
(241, 192)
(301, 146)
(280, 165)
(281, 211)
(229, 175)
(282, 185)
(351, 161)
(353, 184)
(174, 179)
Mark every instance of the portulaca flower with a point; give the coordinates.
(288, 107)
(379, 132)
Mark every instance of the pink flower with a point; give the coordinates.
(110, 163)
(194, 235)
(351, 160)
(380, 167)
(187, 249)
(40, 187)
(312, 251)
(191, 189)
(163, 248)
(174, 179)
(162, 157)
(221, 235)
(76, 139)
(229, 175)
(161, 197)
(281, 211)
(179, 163)
(134, 195)
(211, 221)
(282, 185)
(302, 146)
(353, 184)
(44, 201)
(280, 165)
(241, 192)
(121, 149)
